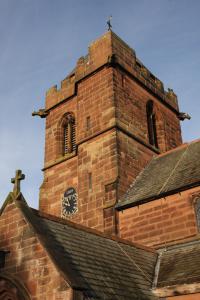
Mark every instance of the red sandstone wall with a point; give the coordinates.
(131, 99)
(28, 262)
(56, 181)
(95, 100)
(96, 152)
(99, 158)
(160, 221)
(101, 91)
(132, 158)
(130, 102)
(52, 153)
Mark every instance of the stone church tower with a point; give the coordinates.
(108, 119)
(115, 162)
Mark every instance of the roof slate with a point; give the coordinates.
(104, 268)
(180, 265)
(175, 170)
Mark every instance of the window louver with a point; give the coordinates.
(69, 135)
(73, 137)
(66, 139)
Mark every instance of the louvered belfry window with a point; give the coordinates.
(69, 134)
(151, 122)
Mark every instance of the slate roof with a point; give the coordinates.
(176, 170)
(100, 266)
(180, 265)
(109, 268)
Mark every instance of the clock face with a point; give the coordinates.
(69, 202)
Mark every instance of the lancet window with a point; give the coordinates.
(151, 122)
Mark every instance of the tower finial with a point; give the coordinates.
(18, 177)
(109, 23)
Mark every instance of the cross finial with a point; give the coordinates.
(18, 177)
(109, 23)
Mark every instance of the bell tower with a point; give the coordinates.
(110, 116)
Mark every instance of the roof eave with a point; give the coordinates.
(126, 205)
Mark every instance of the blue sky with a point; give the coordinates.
(40, 42)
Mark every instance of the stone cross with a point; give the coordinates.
(18, 177)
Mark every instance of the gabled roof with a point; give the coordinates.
(180, 264)
(106, 267)
(102, 267)
(173, 171)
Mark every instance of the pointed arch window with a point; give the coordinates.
(151, 122)
(69, 134)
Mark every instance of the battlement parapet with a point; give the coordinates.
(109, 49)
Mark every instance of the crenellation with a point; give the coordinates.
(171, 97)
(109, 49)
(52, 90)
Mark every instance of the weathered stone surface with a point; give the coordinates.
(107, 93)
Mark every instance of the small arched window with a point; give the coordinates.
(69, 134)
(151, 122)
